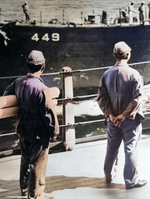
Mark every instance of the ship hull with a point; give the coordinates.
(78, 48)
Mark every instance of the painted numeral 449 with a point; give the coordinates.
(54, 37)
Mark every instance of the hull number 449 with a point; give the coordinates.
(46, 37)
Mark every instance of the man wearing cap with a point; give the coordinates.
(35, 125)
(119, 97)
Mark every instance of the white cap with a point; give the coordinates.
(121, 48)
(36, 57)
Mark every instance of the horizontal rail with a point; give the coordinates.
(77, 124)
(66, 125)
(81, 123)
(7, 134)
(78, 98)
(77, 71)
(93, 69)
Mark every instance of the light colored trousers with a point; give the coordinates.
(130, 132)
(37, 175)
(35, 183)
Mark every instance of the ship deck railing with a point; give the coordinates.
(68, 138)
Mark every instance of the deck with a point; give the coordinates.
(78, 174)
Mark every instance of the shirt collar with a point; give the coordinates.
(30, 75)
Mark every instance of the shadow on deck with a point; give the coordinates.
(78, 174)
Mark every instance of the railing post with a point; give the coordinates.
(68, 109)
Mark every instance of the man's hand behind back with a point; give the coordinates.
(118, 120)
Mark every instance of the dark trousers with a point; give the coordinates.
(130, 132)
(24, 173)
(27, 16)
(141, 16)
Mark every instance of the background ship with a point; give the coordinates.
(77, 34)
(78, 48)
